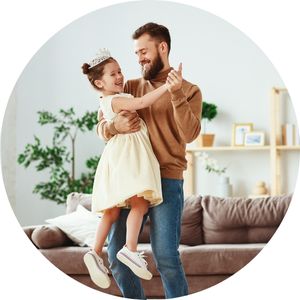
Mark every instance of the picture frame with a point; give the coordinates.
(238, 133)
(255, 138)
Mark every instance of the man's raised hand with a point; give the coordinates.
(174, 79)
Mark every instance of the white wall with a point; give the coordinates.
(231, 71)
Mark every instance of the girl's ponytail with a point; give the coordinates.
(85, 68)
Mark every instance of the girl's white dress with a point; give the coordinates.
(127, 167)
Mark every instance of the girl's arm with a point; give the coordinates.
(124, 103)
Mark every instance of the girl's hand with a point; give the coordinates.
(174, 80)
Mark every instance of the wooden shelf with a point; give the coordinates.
(243, 148)
(284, 147)
(274, 149)
(228, 148)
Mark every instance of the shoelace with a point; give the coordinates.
(142, 255)
(100, 260)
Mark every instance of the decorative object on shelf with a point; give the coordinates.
(288, 134)
(254, 138)
(260, 190)
(57, 159)
(210, 164)
(238, 133)
(224, 187)
(209, 112)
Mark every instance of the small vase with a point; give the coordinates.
(224, 188)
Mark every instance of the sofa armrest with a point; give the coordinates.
(47, 236)
(28, 230)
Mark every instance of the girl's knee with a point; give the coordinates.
(112, 214)
(142, 209)
(139, 204)
(145, 207)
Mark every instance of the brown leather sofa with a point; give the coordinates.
(219, 237)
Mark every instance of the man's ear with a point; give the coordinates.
(98, 83)
(163, 47)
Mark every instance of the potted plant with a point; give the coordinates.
(209, 112)
(57, 159)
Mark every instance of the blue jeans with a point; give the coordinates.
(165, 237)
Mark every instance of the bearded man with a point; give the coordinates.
(172, 121)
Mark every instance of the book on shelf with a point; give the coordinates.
(288, 134)
(297, 137)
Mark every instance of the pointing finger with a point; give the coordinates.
(180, 69)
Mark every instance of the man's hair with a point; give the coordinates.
(156, 31)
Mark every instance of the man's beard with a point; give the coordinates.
(155, 68)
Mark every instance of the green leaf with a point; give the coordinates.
(209, 111)
(46, 117)
(57, 159)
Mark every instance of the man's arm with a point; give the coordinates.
(187, 108)
(124, 122)
(187, 113)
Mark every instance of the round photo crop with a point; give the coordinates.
(127, 113)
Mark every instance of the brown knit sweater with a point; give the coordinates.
(172, 121)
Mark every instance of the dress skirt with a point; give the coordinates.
(127, 167)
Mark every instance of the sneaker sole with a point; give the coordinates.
(99, 278)
(136, 270)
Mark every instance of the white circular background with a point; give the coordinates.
(26, 25)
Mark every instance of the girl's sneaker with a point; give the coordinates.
(97, 270)
(135, 261)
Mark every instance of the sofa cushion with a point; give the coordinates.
(242, 220)
(191, 223)
(74, 199)
(217, 259)
(47, 236)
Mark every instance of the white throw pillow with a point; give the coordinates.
(80, 226)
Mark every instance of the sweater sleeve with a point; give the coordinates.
(187, 112)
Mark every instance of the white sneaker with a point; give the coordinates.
(135, 261)
(96, 268)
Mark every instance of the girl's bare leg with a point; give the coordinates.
(139, 207)
(109, 217)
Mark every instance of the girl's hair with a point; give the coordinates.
(96, 72)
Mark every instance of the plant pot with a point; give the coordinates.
(206, 140)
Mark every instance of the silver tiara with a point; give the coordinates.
(102, 55)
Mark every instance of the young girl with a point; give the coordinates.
(128, 173)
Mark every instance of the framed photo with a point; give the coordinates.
(238, 133)
(254, 138)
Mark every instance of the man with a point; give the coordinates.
(172, 121)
